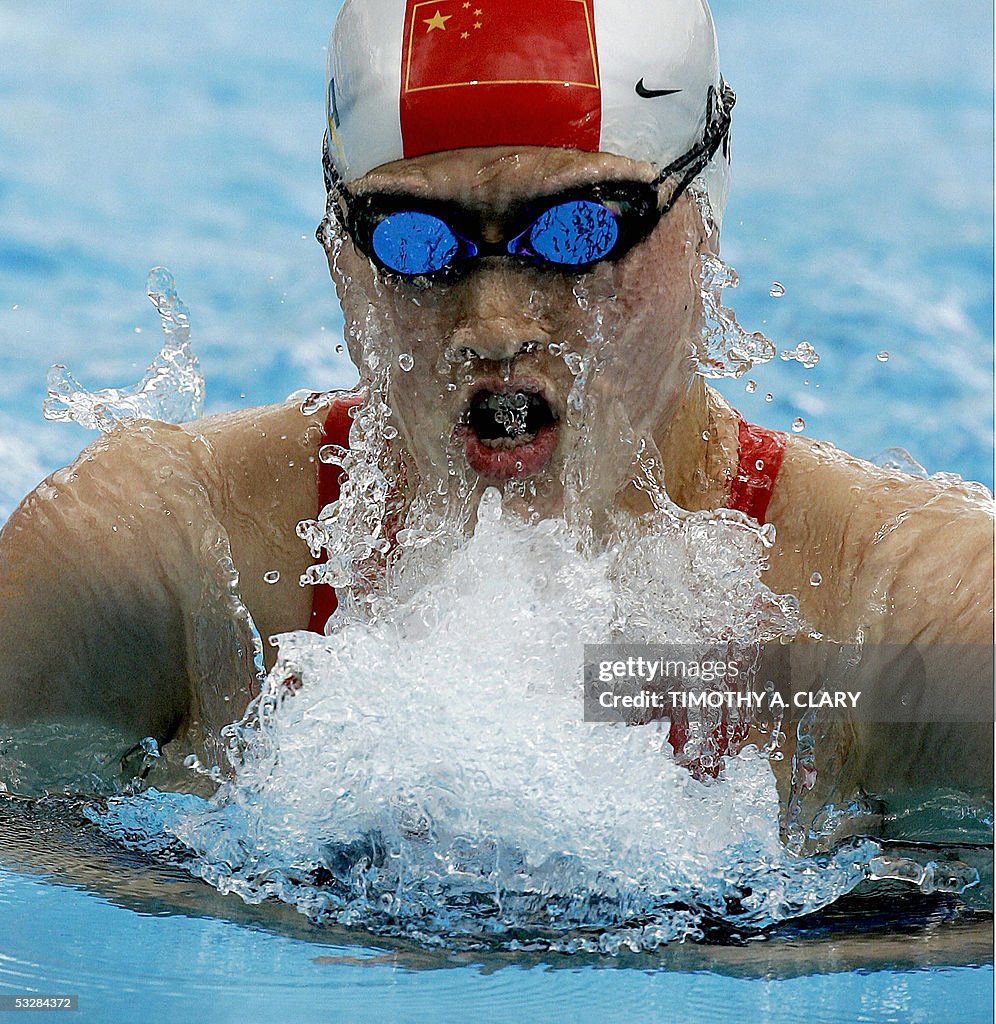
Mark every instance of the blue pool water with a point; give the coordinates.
(188, 135)
(206, 968)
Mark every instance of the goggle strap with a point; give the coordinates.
(688, 166)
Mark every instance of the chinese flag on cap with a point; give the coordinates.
(499, 72)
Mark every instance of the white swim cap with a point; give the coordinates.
(636, 78)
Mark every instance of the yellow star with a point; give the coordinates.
(477, 24)
(464, 35)
(478, 12)
(466, 6)
(438, 20)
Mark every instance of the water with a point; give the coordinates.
(432, 771)
(61, 879)
(226, 189)
(171, 389)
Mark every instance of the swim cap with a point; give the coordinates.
(635, 78)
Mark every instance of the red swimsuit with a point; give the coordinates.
(760, 458)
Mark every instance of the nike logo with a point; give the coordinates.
(649, 94)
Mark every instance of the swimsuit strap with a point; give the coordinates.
(335, 430)
(761, 454)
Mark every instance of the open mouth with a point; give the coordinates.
(509, 432)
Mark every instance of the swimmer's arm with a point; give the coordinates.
(903, 561)
(934, 578)
(940, 590)
(266, 463)
(115, 603)
(99, 582)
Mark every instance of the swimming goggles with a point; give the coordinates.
(572, 230)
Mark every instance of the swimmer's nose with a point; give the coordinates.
(498, 321)
(501, 341)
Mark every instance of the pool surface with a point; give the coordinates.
(92, 920)
(189, 135)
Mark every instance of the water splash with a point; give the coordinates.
(171, 390)
(899, 460)
(726, 349)
(803, 353)
(427, 771)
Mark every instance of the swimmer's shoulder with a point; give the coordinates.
(263, 480)
(921, 548)
(263, 456)
(98, 576)
(112, 570)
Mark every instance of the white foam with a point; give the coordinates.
(432, 774)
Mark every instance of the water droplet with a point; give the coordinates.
(313, 402)
(489, 510)
(390, 433)
(883, 356)
(804, 353)
(815, 580)
(339, 349)
(332, 454)
(769, 397)
(777, 290)
(705, 435)
(798, 425)
(759, 465)
(451, 386)
(750, 387)
(273, 576)
(406, 361)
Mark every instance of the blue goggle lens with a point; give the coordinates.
(573, 234)
(411, 242)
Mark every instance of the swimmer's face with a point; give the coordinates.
(483, 364)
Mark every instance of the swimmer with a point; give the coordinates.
(485, 167)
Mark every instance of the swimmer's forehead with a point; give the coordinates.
(497, 176)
